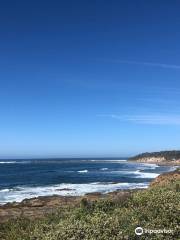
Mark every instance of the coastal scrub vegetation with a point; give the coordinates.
(154, 208)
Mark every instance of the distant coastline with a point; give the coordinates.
(161, 158)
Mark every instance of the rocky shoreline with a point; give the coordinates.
(42, 206)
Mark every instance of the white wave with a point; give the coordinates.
(148, 166)
(15, 162)
(104, 169)
(118, 160)
(6, 162)
(136, 174)
(5, 190)
(83, 171)
(64, 189)
(146, 174)
(108, 160)
(173, 168)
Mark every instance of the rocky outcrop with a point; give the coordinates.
(35, 207)
(42, 206)
(166, 178)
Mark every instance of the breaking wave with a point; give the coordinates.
(19, 193)
(83, 171)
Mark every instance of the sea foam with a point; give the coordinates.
(64, 189)
(83, 171)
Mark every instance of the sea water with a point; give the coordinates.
(20, 179)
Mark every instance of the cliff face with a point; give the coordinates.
(159, 160)
(151, 159)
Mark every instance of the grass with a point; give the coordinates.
(154, 208)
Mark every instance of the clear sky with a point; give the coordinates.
(89, 78)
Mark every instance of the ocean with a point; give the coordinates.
(20, 179)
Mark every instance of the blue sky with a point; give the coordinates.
(89, 78)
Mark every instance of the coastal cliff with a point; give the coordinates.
(163, 157)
